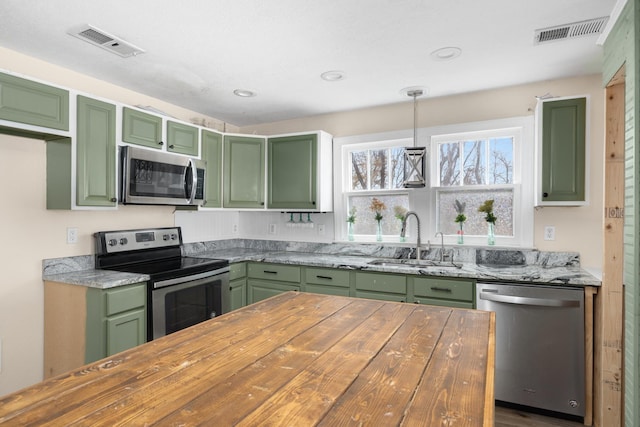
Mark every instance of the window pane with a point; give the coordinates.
(379, 173)
(449, 164)
(474, 162)
(501, 160)
(397, 167)
(475, 224)
(365, 218)
(358, 170)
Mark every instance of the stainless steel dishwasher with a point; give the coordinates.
(540, 356)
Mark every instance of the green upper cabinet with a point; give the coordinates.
(141, 128)
(33, 103)
(243, 171)
(299, 173)
(562, 145)
(212, 154)
(182, 138)
(291, 172)
(96, 153)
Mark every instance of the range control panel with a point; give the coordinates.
(131, 240)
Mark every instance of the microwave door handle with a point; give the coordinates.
(194, 179)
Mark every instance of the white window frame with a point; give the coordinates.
(423, 200)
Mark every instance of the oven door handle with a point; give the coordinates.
(176, 281)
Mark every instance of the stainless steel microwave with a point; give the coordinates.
(149, 177)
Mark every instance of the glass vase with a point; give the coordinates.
(461, 235)
(491, 237)
(379, 232)
(350, 231)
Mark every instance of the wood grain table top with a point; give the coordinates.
(297, 359)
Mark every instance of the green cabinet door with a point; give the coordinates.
(292, 172)
(182, 138)
(96, 153)
(33, 103)
(563, 150)
(389, 287)
(141, 128)
(212, 154)
(238, 289)
(243, 172)
(125, 331)
(116, 320)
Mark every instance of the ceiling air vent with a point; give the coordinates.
(568, 31)
(106, 41)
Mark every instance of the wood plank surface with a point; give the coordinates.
(294, 359)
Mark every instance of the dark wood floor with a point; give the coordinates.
(506, 417)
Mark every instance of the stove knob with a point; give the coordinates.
(124, 241)
(112, 242)
(174, 236)
(165, 237)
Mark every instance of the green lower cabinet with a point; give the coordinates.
(238, 285)
(388, 287)
(267, 280)
(116, 320)
(257, 290)
(327, 281)
(458, 293)
(33, 103)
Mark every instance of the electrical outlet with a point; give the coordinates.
(272, 229)
(549, 232)
(72, 235)
(234, 229)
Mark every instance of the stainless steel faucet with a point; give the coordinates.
(404, 230)
(441, 245)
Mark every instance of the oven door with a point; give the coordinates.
(150, 177)
(178, 303)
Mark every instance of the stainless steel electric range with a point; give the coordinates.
(182, 290)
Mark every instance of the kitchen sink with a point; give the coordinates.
(421, 263)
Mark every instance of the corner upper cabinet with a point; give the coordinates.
(299, 172)
(141, 128)
(244, 158)
(562, 146)
(212, 154)
(182, 138)
(33, 103)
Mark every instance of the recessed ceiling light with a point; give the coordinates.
(244, 93)
(332, 76)
(446, 53)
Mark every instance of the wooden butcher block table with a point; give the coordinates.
(297, 359)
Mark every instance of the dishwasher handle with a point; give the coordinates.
(512, 299)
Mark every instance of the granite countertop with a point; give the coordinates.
(482, 264)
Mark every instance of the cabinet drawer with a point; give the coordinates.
(325, 276)
(237, 270)
(459, 290)
(396, 284)
(125, 298)
(282, 273)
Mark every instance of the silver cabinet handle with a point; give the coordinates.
(529, 301)
(194, 179)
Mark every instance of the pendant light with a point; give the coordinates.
(414, 157)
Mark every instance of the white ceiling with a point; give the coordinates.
(199, 51)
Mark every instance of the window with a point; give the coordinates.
(468, 162)
(375, 171)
